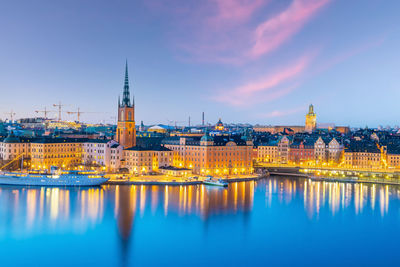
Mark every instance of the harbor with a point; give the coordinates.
(133, 221)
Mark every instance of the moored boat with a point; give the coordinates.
(210, 181)
(59, 178)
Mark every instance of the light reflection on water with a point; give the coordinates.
(29, 213)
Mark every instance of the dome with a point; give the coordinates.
(206, 138)
(11, 138)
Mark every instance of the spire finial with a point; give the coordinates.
(126, 98)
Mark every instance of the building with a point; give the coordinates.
(97, 152)
(334, 153)
(13, 147)
(116, 156)
(283, 150)
(363, 155)
(320, 151)
(278, 129)
(126, 129)
(141, 160)
(393, 157)
(268, 152)
(213, 155)
(311, 120)
(65, 153)
(219, 126)
(302, 152)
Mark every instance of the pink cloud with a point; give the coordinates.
(273, 32)
(235, 31)
(234, 11)
(266, 88)
(283, 113)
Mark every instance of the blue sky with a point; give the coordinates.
(256, 61)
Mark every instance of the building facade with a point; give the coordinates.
(218, 155)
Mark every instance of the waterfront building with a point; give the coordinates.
(311, 120)
(65, 153)
(12, 147)
(141, 160)
(126, 129)
(97, 152)
(362, 155)
(302, 152)
(335, 150)
(213, 155)
(268, 152)
(116, 156)
(320, 151)
(283, 150)
(393, 158)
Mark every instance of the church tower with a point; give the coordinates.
(311, 120)
(126, 130)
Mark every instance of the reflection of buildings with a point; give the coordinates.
(54, 206)
(125, 207)
(195, 199)
(337, 196)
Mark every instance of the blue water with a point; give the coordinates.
(275, 221)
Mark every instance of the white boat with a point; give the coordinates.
(210, 181)
(58, 178)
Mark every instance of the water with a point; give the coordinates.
(275, 221)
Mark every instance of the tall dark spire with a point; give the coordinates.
(126, 101)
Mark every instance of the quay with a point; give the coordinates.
(169, 180)
(336, 175)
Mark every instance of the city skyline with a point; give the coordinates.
(178, 68)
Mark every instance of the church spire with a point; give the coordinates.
(126, 102)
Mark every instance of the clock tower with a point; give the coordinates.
(311, 120)
(126, 130)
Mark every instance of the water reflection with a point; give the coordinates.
(57, 205)
(38, 209)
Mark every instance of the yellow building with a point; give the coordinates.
(363, 157)
(140, 160)
(218, 155)
(65, 153)
(268, 152)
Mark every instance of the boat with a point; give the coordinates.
(211, 181)
(54, 178)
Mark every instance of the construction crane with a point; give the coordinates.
(45, 112)
(78, 113)
(11, 114)
(59, 106)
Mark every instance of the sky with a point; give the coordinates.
(244, 61)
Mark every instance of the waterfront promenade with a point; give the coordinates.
(118, 179)
(332, 174)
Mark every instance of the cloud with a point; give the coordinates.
(267, 88)
(236, 31)
(273, 32)
(283, 113)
